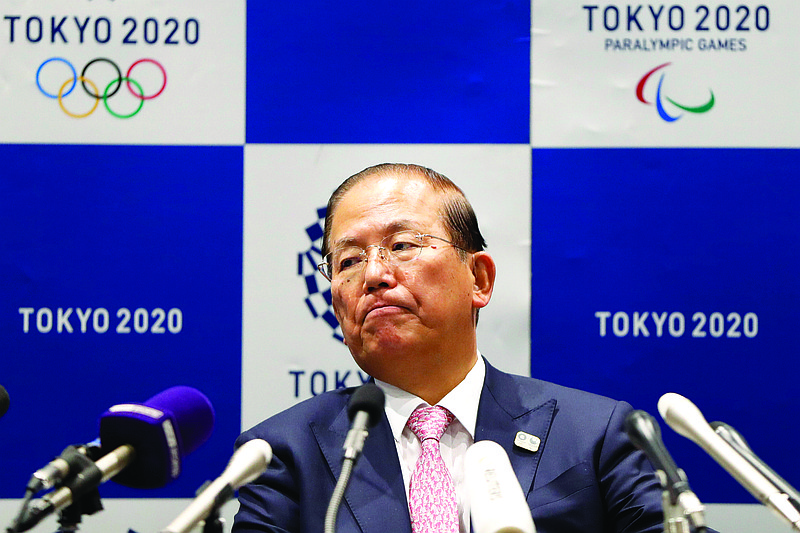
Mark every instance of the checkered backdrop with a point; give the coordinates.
(632, 167)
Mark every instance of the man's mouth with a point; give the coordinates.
(384, 310)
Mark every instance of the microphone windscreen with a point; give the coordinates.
(193, 412)
(5, 401)
(641, 427)
(162, 431)
(368, 398)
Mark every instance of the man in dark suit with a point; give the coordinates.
(408, 274)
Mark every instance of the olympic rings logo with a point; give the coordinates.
(91, 89)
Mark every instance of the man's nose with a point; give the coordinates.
(380, 253)
(377, 270)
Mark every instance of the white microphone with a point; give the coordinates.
(247, 463)
(497, 503)
(685, 418)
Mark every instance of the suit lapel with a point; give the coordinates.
(504, 411)
(376, 495)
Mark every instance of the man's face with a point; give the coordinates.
(393, 315)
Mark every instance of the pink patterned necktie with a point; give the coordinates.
(432, 496)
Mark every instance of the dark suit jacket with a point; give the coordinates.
(585, 477)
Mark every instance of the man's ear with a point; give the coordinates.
(484, 270)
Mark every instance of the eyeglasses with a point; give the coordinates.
(348, 261)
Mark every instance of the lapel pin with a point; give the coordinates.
(526, 441)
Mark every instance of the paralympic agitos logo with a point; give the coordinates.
(101, 79)
(661, 98)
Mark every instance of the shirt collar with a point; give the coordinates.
(462, 401)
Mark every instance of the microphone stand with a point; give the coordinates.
(677, 512)
(214, 522)
(338, 494)
(70, 517)
(86, 500)
(674, 520)
(86, 503)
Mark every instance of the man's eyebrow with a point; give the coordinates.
(388, 229)
(400, 225)
(344, 241)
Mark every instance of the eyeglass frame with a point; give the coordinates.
(384, 254)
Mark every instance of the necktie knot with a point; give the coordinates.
(430, 422)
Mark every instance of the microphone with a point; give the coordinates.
(88, 479)
(685, 418)
(162, 430)
(246, 464)
(497, 503)
(5, 401)
(72, 459)
(737, 442)
(679, 500)
(364, 409)
(147, 443)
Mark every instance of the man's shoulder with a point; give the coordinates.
(533, 390)
(322, 408)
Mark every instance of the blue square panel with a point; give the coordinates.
(388, 72)
(674, 270)
(121, 272)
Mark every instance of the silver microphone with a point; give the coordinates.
(685, 418)
(737, 442)
(100, 471)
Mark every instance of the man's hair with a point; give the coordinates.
(458, 216)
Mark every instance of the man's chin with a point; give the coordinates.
(386, 340)
(380, 352)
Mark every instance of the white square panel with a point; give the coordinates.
(185, 62)
(288, 355)
(589, 60)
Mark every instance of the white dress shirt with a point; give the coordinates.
(463, 402)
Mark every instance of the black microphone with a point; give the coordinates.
(73, 459)
(645, 433)
(737, 442)
(81, 484)
(5, 401)
(365, 409)
(142, 446)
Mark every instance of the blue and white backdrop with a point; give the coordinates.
(632, 164)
